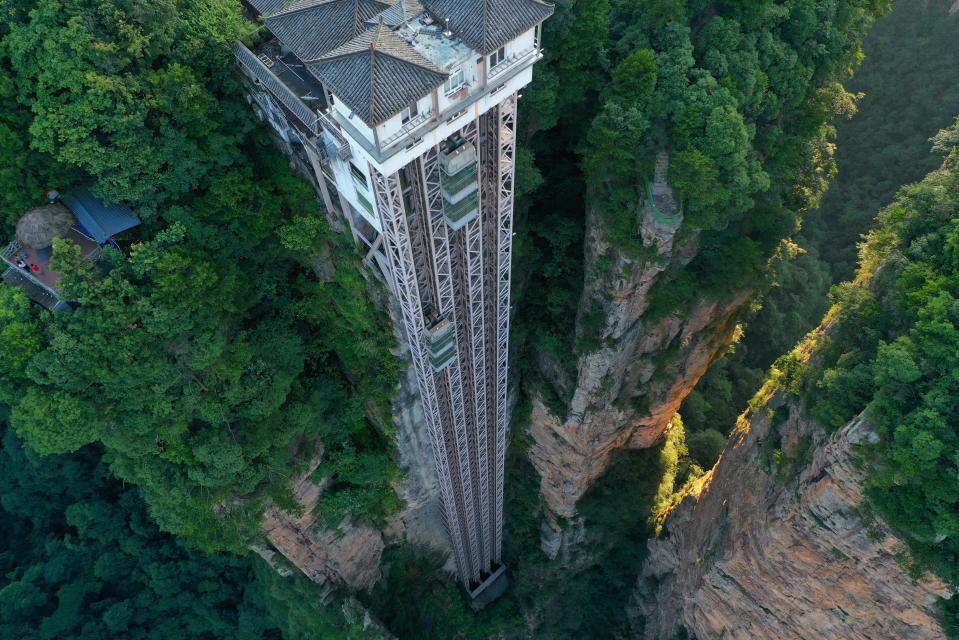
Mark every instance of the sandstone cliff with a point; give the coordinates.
(625, 392)
(776, 542)
(348, 558)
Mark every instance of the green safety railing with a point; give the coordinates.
(654, 211)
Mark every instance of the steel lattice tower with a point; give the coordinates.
(413, 140)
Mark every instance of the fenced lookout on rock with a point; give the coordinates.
(79, 217)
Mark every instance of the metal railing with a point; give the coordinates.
(331, 127)
(8, 254)
(508, 63)
(407, 128)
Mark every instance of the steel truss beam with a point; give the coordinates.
(506, 133)
(464, 276)
(389, 204)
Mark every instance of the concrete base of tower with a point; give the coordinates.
(489, 589)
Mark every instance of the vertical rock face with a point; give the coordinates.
(626, 392)
(780, 546)
(347, 557)
(421, 520)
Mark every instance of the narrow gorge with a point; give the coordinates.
(830, 512)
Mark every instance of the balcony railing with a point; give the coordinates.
(381, 153)
(41, 287)
(331, 127)
(34, 290)
(407, 129)
(458, 92)
(508, 63)
(9, 254)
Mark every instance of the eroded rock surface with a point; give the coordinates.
(783, 551)
(625, 393)
(347, 557)
(421, 520)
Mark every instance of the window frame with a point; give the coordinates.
(411, 111)
(358, 176)
(497, 57)
(448, 88)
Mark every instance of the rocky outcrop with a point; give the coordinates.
(781, 545)
(626, 391)
(347, 557)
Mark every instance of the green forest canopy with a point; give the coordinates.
(741, 95)
(909, 96)
(891, 349)
(209, 360)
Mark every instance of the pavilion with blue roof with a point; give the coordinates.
(78, 216)
(96, 219)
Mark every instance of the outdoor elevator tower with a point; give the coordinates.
(404, 115)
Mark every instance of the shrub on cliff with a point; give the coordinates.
(893, 352)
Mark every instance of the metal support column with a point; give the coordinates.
(389, 204)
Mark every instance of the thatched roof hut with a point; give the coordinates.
(39, 226)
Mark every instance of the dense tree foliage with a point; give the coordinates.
(908, 95)
(80, 558)
(208, 359)
(890, 347)
(739, 94)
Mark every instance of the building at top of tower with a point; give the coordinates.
(403, 114)
(380, 81)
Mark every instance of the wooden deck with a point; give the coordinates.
(41, 283)
(43, 273)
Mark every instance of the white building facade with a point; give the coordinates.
(404, 115)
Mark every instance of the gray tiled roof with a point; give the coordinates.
(312, 27)
(486, 25)
(276, 86)
(377, 74)
(401, 11)
(263, 7)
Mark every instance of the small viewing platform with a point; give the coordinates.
(661, 202)
(80, 218)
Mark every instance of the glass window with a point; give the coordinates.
(497, 56)
(456, 80)
(358, 175)
(409, 113)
